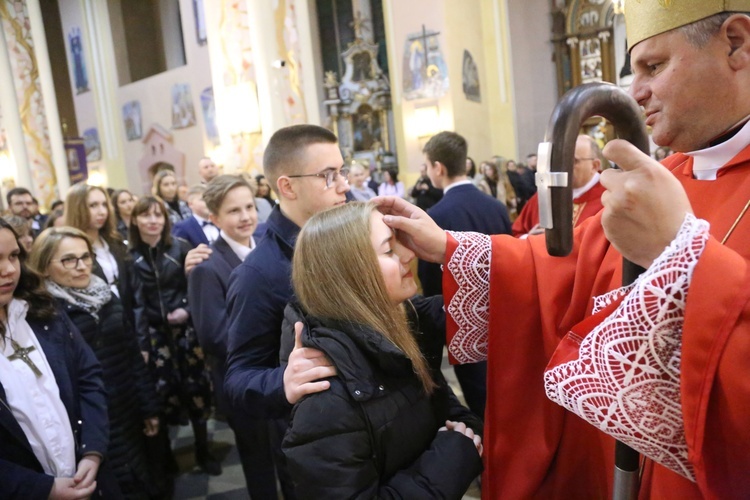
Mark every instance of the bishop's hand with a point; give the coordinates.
(416, 230)
(644, 205)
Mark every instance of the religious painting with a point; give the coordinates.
(591, 60)
(75, 154)
(200, 22)
(470, 76)
(80, 77)
(183, 112)
(131, 115)
(367, 131)
(92, 145)
(424, 69)
(209, 115)
(362, 62)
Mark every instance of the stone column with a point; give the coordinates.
(16, 161)
(32, 151)
(59, 158)
(97, 37)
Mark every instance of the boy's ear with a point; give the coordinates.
(286, 188)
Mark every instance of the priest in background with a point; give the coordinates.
(587, 190)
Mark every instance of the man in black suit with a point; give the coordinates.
(231, 206)
(197, 228)
(463, 208)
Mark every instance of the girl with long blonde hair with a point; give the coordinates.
(389, 425)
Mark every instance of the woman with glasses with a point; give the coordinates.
(388, 426)
(53, 409)
(65, 257)
(165, 187)
(88, 209)
(167, 339)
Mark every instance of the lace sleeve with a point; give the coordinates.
(469, 307)
(626, 378)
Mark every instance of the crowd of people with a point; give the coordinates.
(126, 314)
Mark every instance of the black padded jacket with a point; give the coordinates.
(374, 432)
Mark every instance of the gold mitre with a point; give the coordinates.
(647, 18)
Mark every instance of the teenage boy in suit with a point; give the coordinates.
(304, 166)
(198, 228)
(463, 208)
(231, 206)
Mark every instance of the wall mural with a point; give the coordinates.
(289, 48)
(424, 68)
(470, 77)
(209, 116)
(80, 76)
(200, 22)
(92, 145)
(131, 115)
(183, 112)
(15, 24)
(244, 152)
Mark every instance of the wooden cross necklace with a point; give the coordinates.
(22, 353)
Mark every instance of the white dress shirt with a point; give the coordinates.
(211, 231)
(238, 248)
(35, 401)
(108, 263)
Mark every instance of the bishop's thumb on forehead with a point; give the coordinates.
(625, 155)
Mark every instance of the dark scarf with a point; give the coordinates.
(91, 299)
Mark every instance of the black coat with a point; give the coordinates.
(158, 283)
(131, 397)
(374, 432)
(78, 376)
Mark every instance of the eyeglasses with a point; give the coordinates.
(330, 175)
(576, 161)
(72, 262)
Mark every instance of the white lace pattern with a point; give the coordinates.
(469, 307)
(626, 380)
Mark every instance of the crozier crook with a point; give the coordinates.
(554, 172)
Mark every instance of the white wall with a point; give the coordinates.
(534, 79)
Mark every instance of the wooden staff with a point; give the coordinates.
(554, 173)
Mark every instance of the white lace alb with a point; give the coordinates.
(626, 380)
(470, 306)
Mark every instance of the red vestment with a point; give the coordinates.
(534, 448)
(586, 205)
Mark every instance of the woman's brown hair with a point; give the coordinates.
(336, 276)
(141, 207)
(116, 196)
(30, 288)
(77, 214)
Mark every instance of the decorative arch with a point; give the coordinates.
(585, 43)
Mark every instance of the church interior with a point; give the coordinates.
(109, 91)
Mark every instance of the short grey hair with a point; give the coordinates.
(699, 33)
